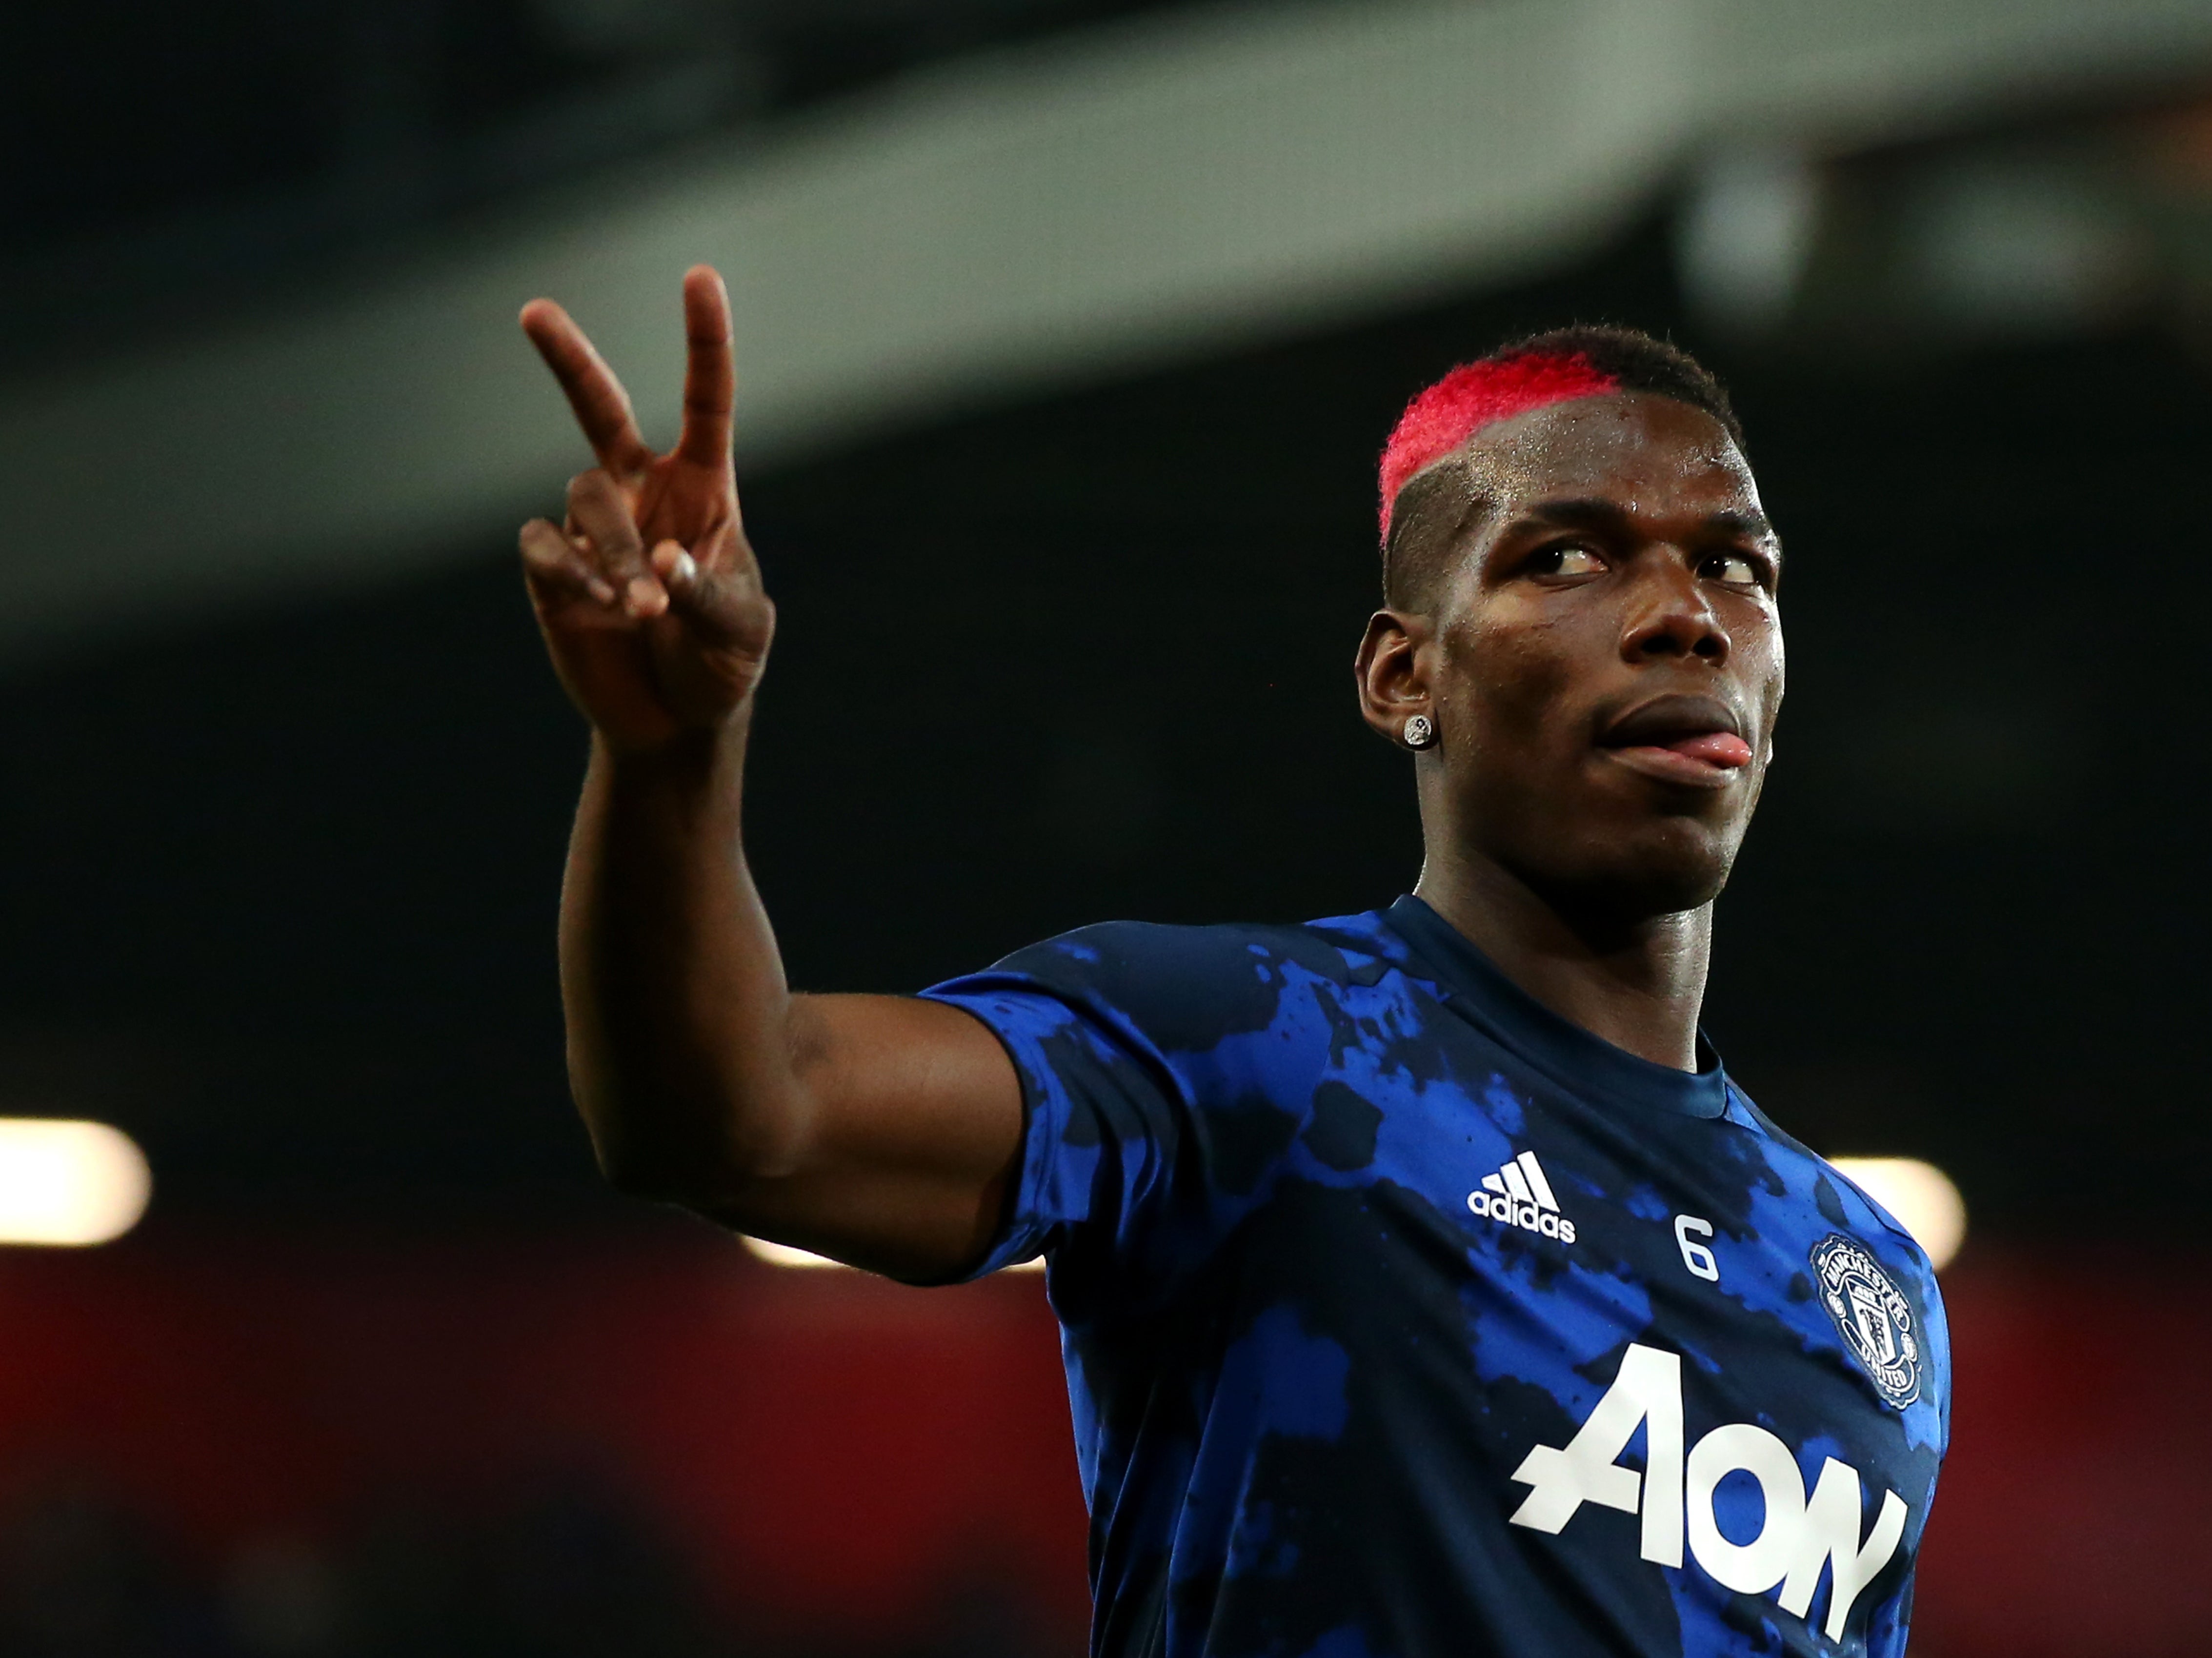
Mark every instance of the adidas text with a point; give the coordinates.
(1519, 1196)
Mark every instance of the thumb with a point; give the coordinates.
(721, 603)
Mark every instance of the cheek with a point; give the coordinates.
(1509, 677)
(1764, 664)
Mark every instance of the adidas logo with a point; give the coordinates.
(1519, 1196)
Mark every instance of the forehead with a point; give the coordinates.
(1650, 453)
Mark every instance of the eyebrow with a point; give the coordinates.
(1596, 513)
(1755, 526)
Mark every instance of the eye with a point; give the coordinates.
(1568, 559)
(1736, 570)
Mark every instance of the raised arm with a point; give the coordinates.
(879, 1130)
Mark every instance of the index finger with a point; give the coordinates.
(601, 406)
(709, 381)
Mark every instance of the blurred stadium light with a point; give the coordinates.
(1745, 237)
(783, 1254)
(65, 1181)
(1919, 1194)
(1015, 220)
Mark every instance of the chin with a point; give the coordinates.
(1660, 868)
(1671, 889)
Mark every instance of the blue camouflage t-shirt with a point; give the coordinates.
(1404, 1318)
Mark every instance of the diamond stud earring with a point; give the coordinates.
(1420, 732)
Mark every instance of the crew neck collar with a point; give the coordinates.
(1586, 1063)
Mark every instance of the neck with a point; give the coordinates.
(1636, 983)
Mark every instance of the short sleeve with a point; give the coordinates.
(1103, 1113)
(1164, 1071)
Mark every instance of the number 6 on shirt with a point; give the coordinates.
(1695, 1256)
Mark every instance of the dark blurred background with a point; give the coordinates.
(1069, 332)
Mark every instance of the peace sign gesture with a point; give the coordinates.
(649, 598)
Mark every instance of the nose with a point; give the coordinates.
(1669, 615)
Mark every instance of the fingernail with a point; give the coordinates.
(646, 597)
(600, 589)
(686, 568)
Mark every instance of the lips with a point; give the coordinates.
(1695, 739)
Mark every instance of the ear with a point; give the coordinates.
(1393, 669)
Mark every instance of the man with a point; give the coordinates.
(1428, 1289)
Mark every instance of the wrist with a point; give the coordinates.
(688, 753)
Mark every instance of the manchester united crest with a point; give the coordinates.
(1871, 1315)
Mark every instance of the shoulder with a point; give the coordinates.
(1843, 1205)
(1189, 987)
(1842, 1200)
(1862, 1266)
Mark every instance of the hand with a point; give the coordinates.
(649, 597)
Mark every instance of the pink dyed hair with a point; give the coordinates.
(1474, 396)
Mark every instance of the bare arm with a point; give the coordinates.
(878, 1129)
